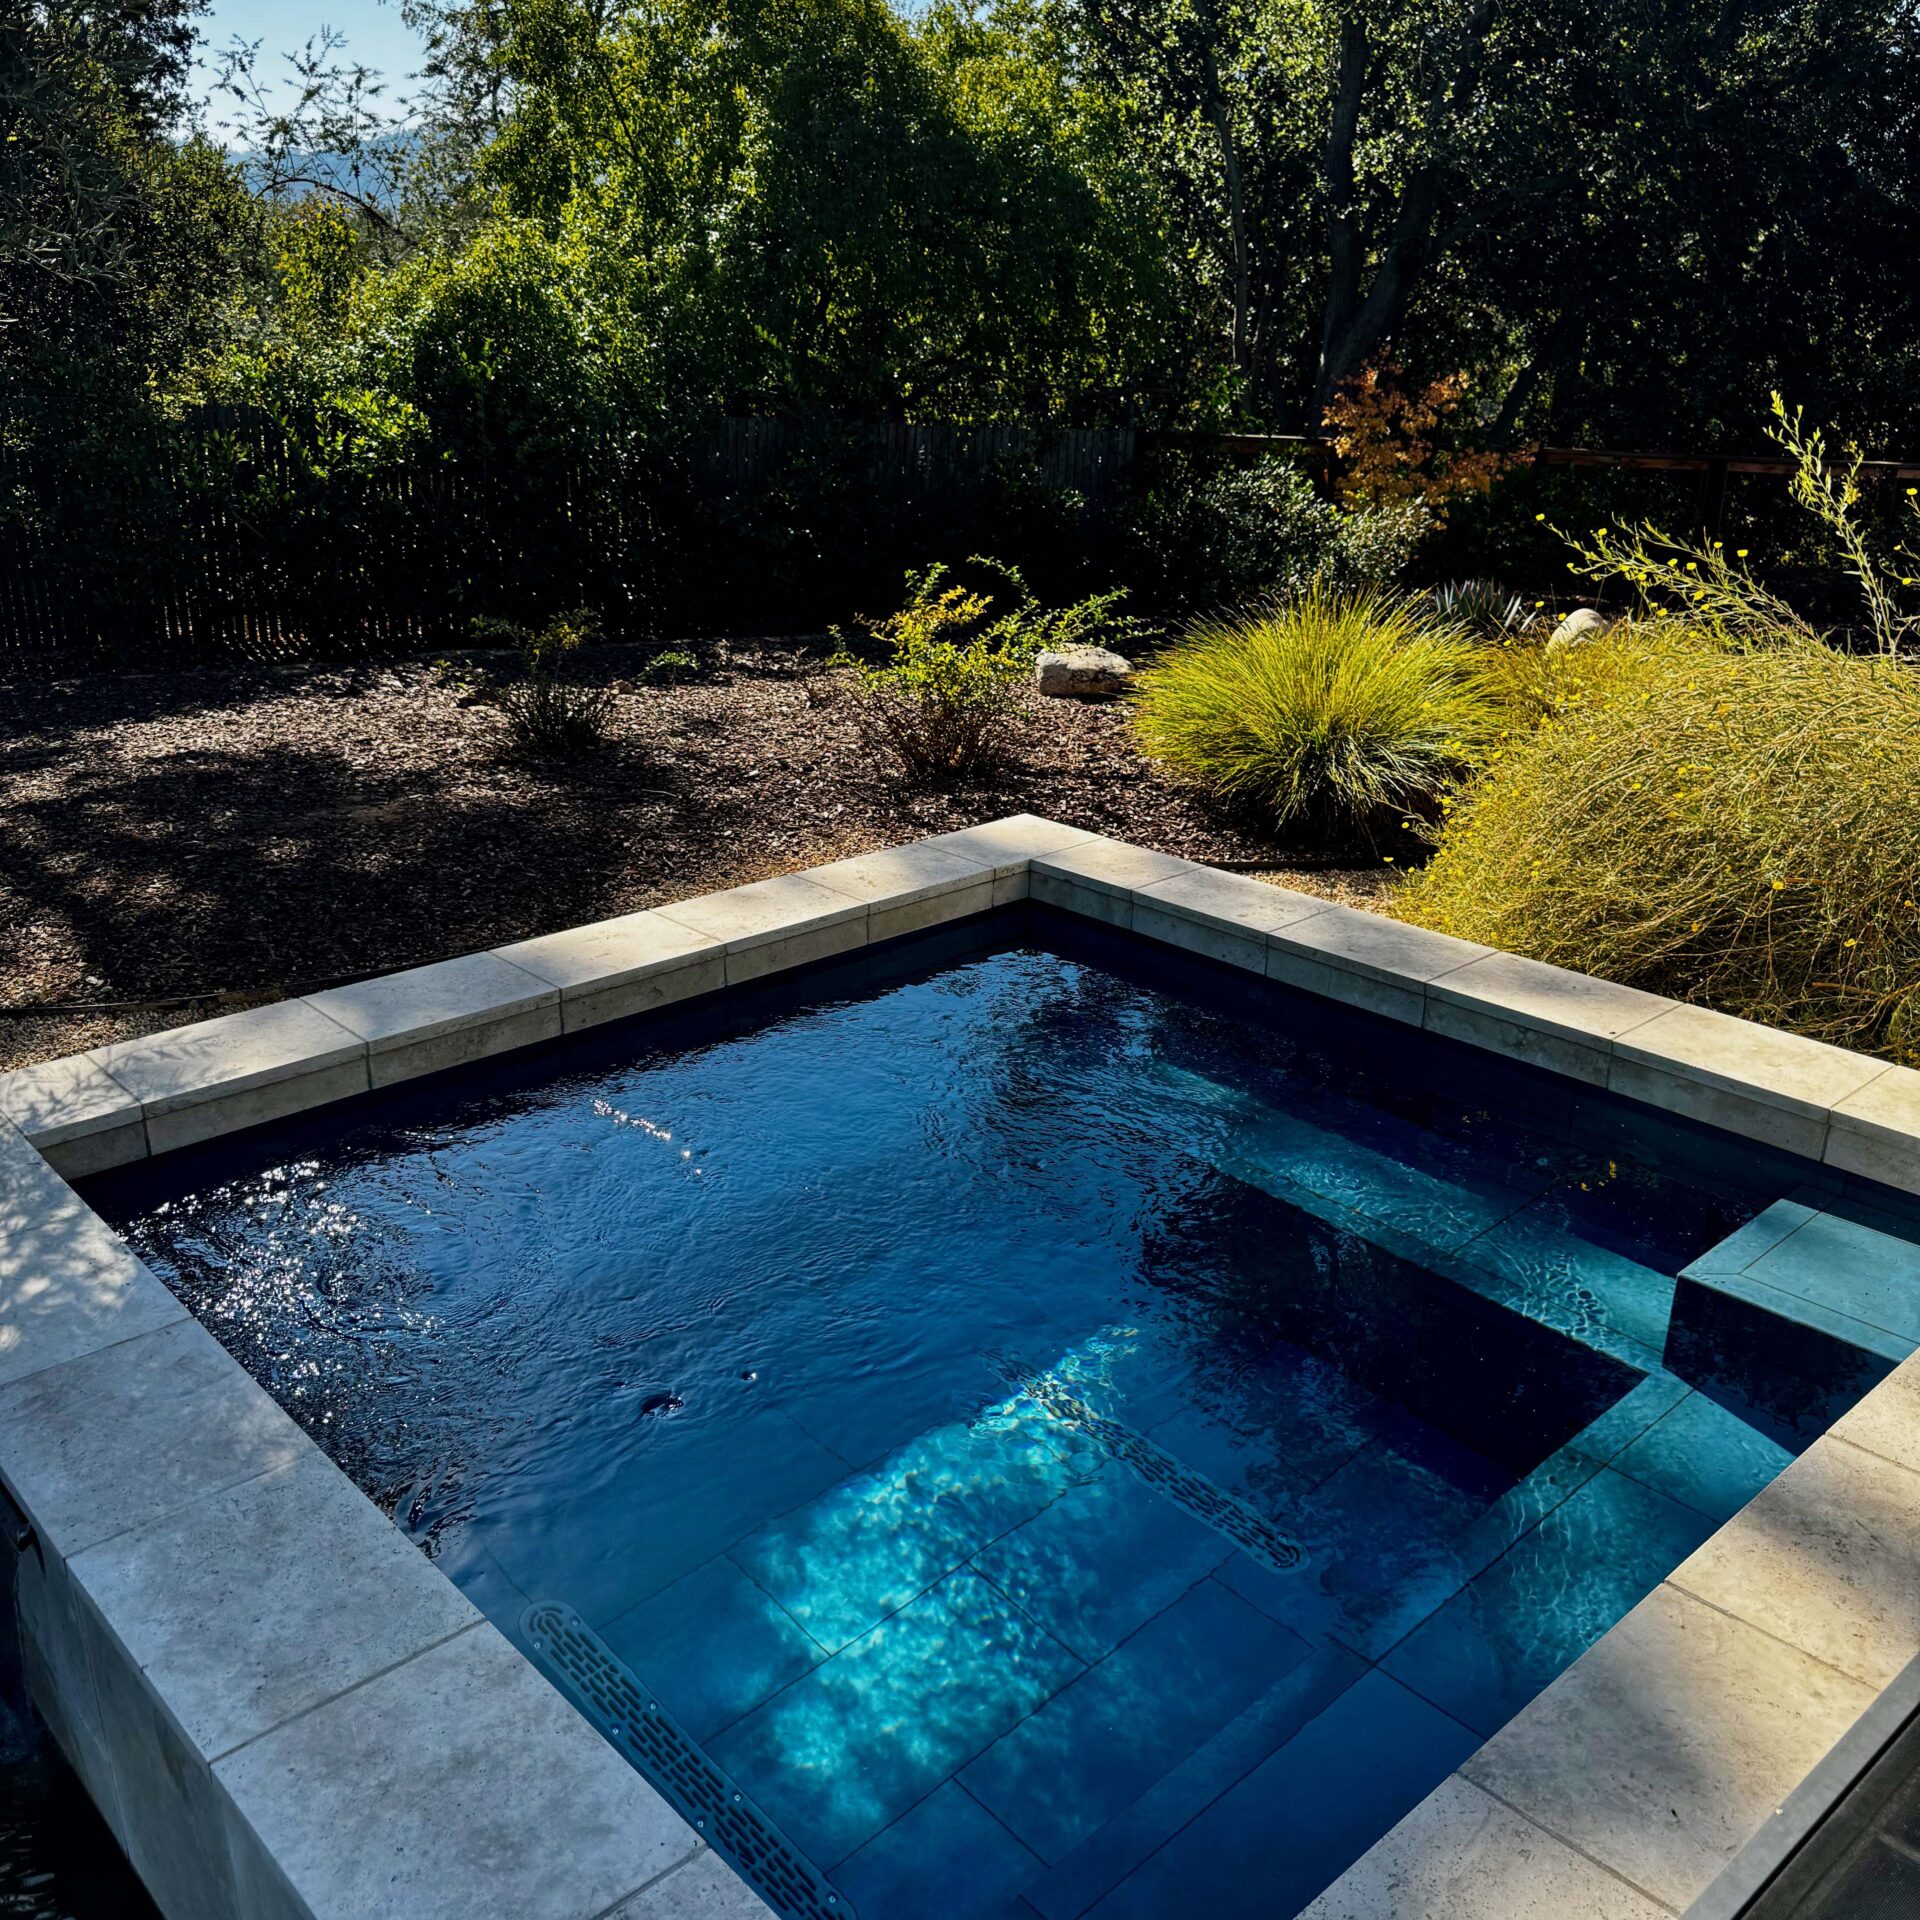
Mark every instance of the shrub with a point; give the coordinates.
(945, 700)
(1332, 713)
(550, 716)
(1734, 825)
(1485, 608)
(1204, 540)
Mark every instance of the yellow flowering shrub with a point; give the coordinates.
(1735, 825)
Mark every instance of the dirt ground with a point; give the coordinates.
(174, 845)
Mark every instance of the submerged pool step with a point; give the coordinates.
(606, 1691)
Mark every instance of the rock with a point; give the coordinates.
(1082, 673)
(1581, 624)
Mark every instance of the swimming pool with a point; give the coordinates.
(1053, 1427)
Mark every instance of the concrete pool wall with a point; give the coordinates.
(283, 1709)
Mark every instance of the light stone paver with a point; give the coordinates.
(353, 1800)
(196, 1082)
(1826, 1558)
(1665, 1745)
(76, 1113)
(1010, 843)
(613, 968)
(264, 1599)
(1887, 1421)
(1754, 1062)
(1462, 1855)
(122, 1436)
(1113, 867)
(908, 889)
(444, 1015)
(770, 925)
(1221, 915)
(1352, 941)
(69, 1285)
(704, 1888)
(1875, 1132)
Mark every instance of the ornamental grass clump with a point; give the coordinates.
(1732, 824)
(1327, 715)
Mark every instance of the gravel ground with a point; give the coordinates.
(179, 844)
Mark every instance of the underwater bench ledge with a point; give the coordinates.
(283, 1709)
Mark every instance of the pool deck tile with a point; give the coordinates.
(1008, 845)
(443, 1015)
(1887, 1421)
(214, 1077)
(1463, 1855)
(613, 968)
(1826, 1558)
(770, 925)
(69, 1285)
(703, 1888)
(262, 1600)
(907, 889)
(561, 1827)
(1661, 1750)
(76, 1113)
(121, 1437)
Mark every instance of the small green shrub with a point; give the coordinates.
(1738, 825)
(944, 702)
(1203, 540)
(1329, 714)
(1485, 608)
(549, 715)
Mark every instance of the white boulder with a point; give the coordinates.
(1082, 673)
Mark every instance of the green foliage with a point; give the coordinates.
(1484, 607)
(549, 714)
(1738, 825)
(1207, 536)
(1329, 715)
(944, 700)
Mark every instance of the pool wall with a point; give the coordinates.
(283, 1709)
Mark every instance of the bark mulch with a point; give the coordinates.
(178, 844)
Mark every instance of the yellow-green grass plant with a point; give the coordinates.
(1327, 715)
(1733, 825)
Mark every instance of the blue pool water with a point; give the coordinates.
(1064, 1432)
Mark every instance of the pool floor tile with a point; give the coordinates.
(946, 1859)
(1300, 1819)
(712, 1647)
(1101, 1742)
(1105, 1857)
(858, 1740)
(1520, 1624)
(1102, 1560)
(844, 1562)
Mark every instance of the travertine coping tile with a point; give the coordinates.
(1380, 949)
(1565, 1022)
(617, 967)
(135, 1431)
(1792, 1131)
(1221, 915)
(1666, 1744)
(1008, 844)
(76, 1113)
(1887, 1420)
(198, 1081)
(1826, 1558)
(69, 1284)
(1875, 1132)
(443, 1015)
(1107, 866)
(260, 1601)
(704, 1888)
(910, 888)
(1758, 1063)
(1462, 1855)
(773, 924)
(455, 1785)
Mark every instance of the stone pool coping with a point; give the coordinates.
(283, 1709)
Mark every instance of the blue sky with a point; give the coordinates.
(374, 33)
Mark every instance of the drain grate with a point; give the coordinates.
(629, 1716)
(1248, 1530)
